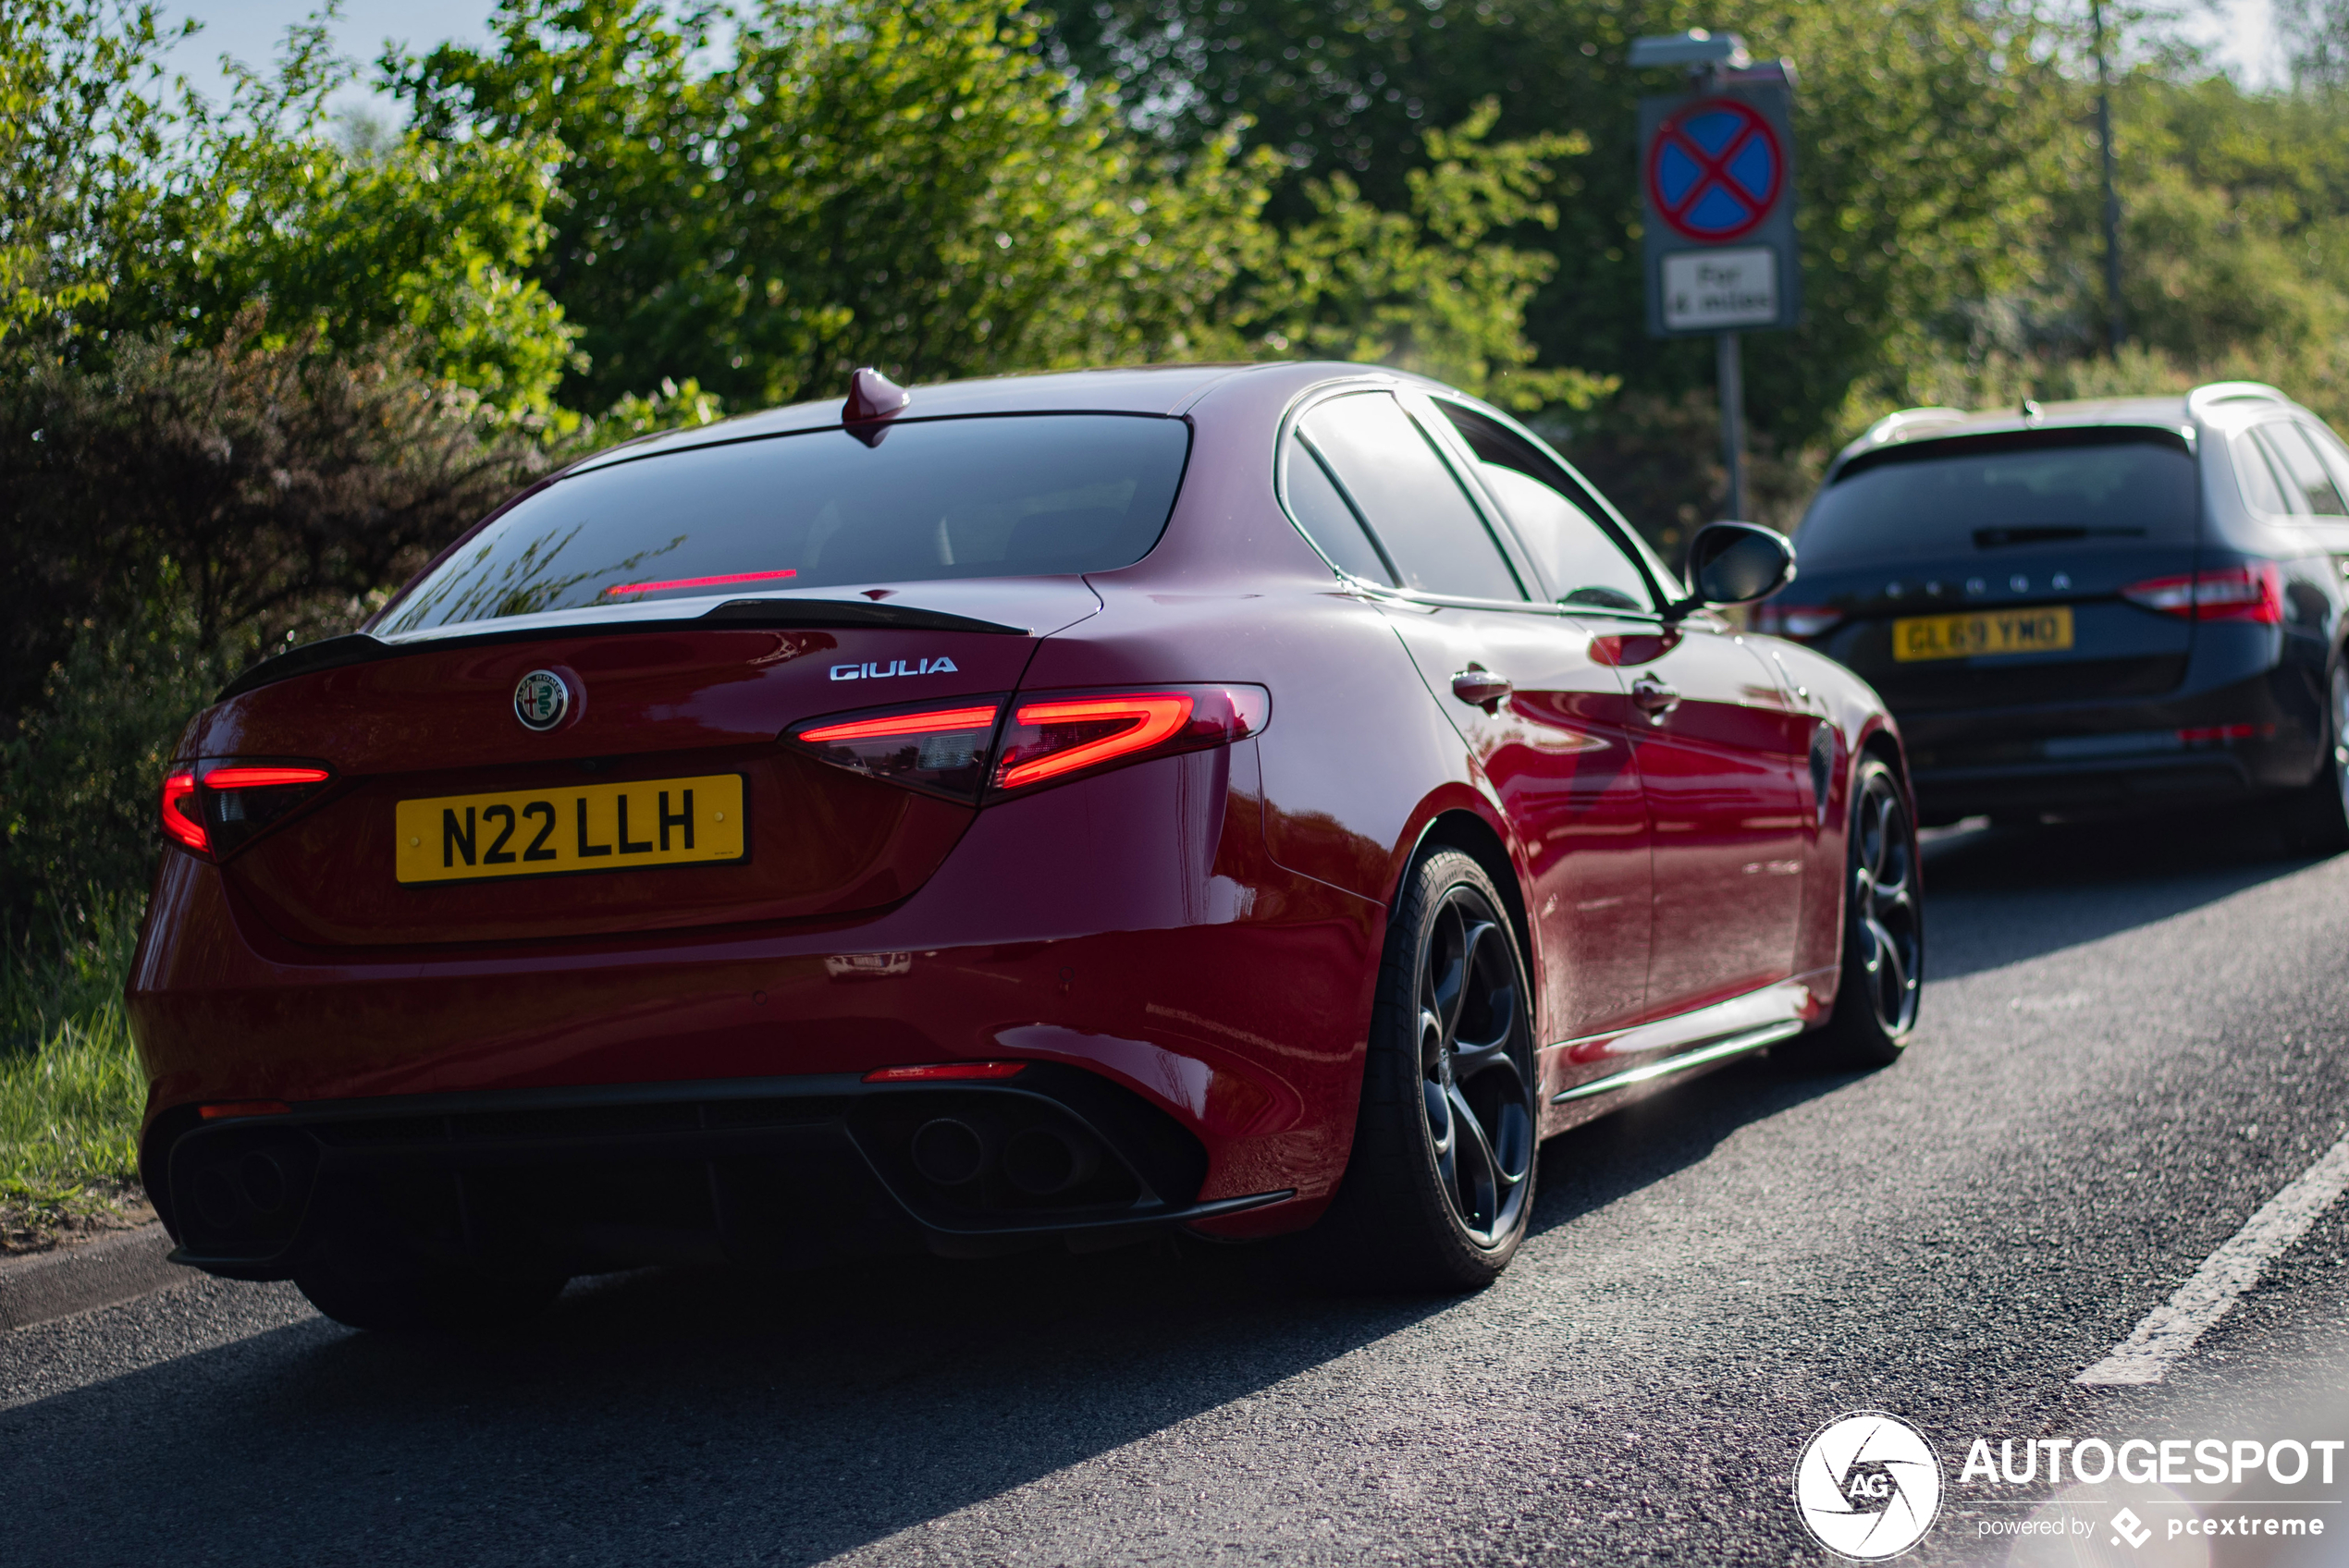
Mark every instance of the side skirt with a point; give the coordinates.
(1686, 1042)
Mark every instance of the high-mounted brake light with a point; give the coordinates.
(182, 818)
(722, 581)
(2252, 592)
(943, 1071)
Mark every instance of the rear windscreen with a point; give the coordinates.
(1999, 493)
(998, 496)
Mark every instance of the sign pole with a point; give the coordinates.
(1729, 370)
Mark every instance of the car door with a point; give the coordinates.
(1374, 486)
(1714, 738)
(1721, 747)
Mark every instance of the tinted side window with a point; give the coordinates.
(1580, 562)
(2335, 456)
(2255, 477)
(1404, 490)
(1498, 448)
(2308, 477)
(1326, 518)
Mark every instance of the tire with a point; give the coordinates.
(1440, 1186)
(1876, 1000)
(450, 1303)
(2316, 818)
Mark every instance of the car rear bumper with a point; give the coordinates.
(2245, 737)
(771, 1172)
(1184, 969)
(1948, 794)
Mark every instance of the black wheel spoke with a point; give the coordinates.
(1471, 1060)
(1477, 1174)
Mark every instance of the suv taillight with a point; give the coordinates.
(214, 806)
(2253, 592)
(994, 745)
(1798, 621)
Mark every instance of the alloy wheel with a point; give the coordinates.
(2340, 736)
(1884, 901)
(1474, 1066)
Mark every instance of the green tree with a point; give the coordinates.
(907, 183)
(1926, 134)
(83, 125)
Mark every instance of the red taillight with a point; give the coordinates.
(1050, 738)
(213, 808)
(975, 746)
(244, 1108)
(240, 778)
(936, 1072)
(940, 751)
(182, 818)
(940, 721)
(2253, 592)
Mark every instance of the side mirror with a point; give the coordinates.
(1735, 563)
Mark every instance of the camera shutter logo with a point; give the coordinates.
(1868, 1486)
(541, 699)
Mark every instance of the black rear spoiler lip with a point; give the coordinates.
(360, 647)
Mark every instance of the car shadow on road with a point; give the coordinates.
(674, 1414)
(1652, 1139)
(1997, 896)
(706, 1416)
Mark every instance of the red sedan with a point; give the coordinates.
(1039, 809)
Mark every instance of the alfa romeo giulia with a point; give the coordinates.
(1036, 810)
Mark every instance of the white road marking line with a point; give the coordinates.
(2171, 1329)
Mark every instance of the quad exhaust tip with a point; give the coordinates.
(233, 1195)
(1036, 1161)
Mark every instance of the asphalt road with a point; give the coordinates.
(2133, 1036)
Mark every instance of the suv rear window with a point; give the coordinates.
(1995, 492)
(1008, 496)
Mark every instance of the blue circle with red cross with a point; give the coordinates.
(1715, 170)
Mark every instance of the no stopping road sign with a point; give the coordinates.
(1716, 172)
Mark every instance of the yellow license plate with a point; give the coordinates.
(2044, 630)
(577, 828)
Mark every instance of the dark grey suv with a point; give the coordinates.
(2094, 605)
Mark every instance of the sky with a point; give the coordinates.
(250, 30)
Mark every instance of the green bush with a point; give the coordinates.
(69, 1113)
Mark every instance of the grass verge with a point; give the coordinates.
(70, 1087)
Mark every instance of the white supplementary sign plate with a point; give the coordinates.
(1720, 289)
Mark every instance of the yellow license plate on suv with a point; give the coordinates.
(577, 828)
(2044, 630)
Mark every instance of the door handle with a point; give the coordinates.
(1652, 697)
(1481, 687)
